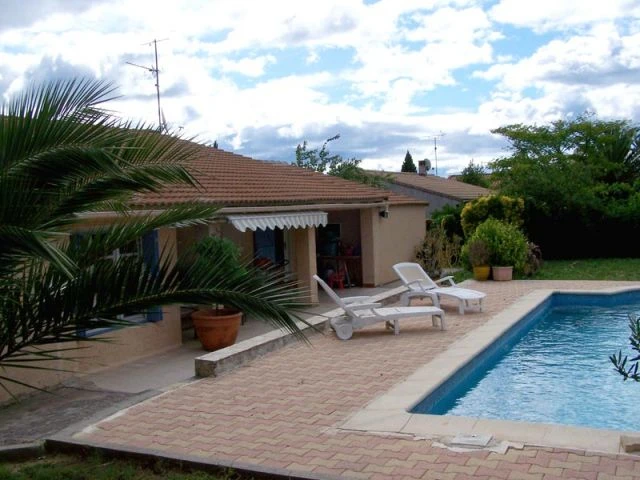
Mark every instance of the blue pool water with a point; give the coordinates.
(551, 367)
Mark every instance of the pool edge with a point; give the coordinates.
(390, 412)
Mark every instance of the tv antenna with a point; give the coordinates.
(162, 124)
(435, 147)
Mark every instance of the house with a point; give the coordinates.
(303, 221)
(438, 191)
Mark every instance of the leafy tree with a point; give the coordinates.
(625, 367)
(320, 160)
(475, 174)
(500, 207)
(215, 144)
(408, 165)
(63, 155)
(579, 179)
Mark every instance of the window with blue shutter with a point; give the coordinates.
(149, 249)
(151, 255)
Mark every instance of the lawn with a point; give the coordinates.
(586, 269)
(590, 269)
(65, 467)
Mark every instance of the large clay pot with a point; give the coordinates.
(217, 329)
(481, 273)
(502, 274)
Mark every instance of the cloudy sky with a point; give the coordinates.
(388, 75)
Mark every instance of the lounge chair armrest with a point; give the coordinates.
(361, 299)
(447, 279)
(417, 285)
(363, 306)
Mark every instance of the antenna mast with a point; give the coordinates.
(155, 71)
(435, 148)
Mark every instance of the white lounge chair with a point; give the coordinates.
(362, 311)
(420, 285)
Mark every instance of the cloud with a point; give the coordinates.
(386, 75)
(250, 67)
(21, 13)
(547, 15)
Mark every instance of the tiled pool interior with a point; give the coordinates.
(551, 367)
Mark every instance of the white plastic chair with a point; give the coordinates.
(362, 311)
(420, 285)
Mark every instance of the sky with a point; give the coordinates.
(388, 75)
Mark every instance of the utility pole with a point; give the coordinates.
(435, 148)
(155, 71)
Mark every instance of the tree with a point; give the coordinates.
(408, 165)
(322, 161)
(625, 367)
(579, 179)
(215, 144)
(475, 174)
(62, 155)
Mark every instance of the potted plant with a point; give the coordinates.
(479, 256)
(507, 246)
(217, 325)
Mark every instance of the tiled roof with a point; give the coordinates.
(439, 186)
(228, 179)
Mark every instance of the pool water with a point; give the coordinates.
(552, 367)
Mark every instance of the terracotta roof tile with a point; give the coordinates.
(229, 179)
(442, 186)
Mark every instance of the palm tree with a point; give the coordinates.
(62, 154)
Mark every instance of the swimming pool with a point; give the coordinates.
(552, 366)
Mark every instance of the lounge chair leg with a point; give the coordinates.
(396, 327)
(442, 324)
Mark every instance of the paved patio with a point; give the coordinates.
(284, 410)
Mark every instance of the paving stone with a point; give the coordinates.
(285, 409)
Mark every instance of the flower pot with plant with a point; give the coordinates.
(479, 255)
(507, 246)
(217, 326)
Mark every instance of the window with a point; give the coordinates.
(147, 248)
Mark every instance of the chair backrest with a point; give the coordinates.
(412, 272)
(330, 292)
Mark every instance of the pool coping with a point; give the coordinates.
(389, 413)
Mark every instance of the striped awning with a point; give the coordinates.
(278, 220)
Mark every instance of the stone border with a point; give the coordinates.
(390, 411)
(67, 445)
(215, 363)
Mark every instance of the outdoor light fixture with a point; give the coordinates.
(384, 213)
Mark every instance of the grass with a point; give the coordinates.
(585, 269)
(590, 269)
(65, 467)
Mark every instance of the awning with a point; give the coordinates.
(278, 220)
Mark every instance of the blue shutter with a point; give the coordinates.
(151, 256)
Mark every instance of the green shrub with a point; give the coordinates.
(448, 217)
(500, 207)
(437, 251)
(507, 244)
(478, 253)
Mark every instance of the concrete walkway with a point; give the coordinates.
(97, 395)
(285, 411)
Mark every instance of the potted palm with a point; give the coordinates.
(479, 255)
(217, 325)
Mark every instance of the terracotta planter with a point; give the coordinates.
(217, 329)
(481, 273)
(502, 274)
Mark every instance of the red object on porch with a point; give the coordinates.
(337, 278)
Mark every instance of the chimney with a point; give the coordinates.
(424, 166)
